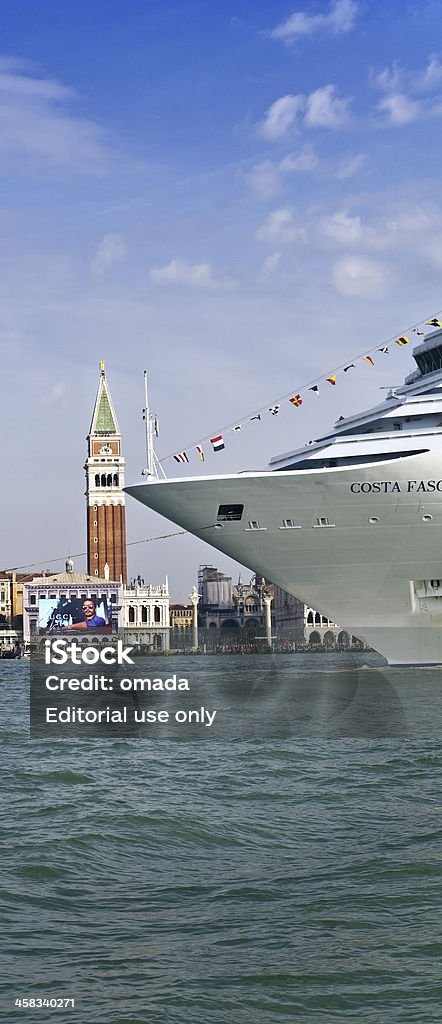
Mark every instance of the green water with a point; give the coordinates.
(259, 879)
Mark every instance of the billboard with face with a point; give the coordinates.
(82, 614)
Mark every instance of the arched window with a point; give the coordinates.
(144, 613)
(103, 479)
(318, 619)
(116, 480)
(131, 614)
(97, 479)
(109, 480)
(157, 614)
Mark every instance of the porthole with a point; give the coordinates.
(95, 540)
(427, 519)
(96, 555)
(373, 520)
(95, 522)
(95, 508)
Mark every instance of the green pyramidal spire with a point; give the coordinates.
(104, 420)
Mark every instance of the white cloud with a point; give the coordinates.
(350, 167)
(191, 275)
(36, 124)
(306, 160)
(279, 228)
(389, 79)
(396, 78)
(325, 110)
(410, 229)
(342, 228)
(267, 177)
(270, 264)
(401, 85)
(322, 108)
(360, 276)
(400, 108)
(280, 117)
(110, 250)
(340, 17)
(431, 77)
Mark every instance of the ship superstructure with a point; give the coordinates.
(351, 523)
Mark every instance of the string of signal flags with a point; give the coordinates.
(295, 398)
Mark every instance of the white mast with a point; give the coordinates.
(153, 468)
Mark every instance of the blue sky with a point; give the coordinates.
(238, 196)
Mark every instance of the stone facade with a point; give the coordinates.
(231, 608)
(146, 614)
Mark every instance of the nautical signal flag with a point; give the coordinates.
(257, 417)
(384, 350)
(315, 389)
(217, 443)
(200, 452)
(417, 331)
(350, 366)
(332, 379)
(238, 427)
(181, 457)
(156, 427)
(274, 409)
(368, 359)
(433, 323)
(403, 340)
(296, 400)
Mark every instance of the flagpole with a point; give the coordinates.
(153, 467)
(148, 429)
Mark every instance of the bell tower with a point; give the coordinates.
(105, 500)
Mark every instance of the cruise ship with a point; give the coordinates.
(351, 523)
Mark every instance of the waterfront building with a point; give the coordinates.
(105, 499)
(180, 616)
(237, 609)
(318, 629)
(49, 597)
(9, 637)
(5, 600)
(11, 588)
(241, 608)
(146, 614)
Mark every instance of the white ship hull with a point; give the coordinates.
(375, 567)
